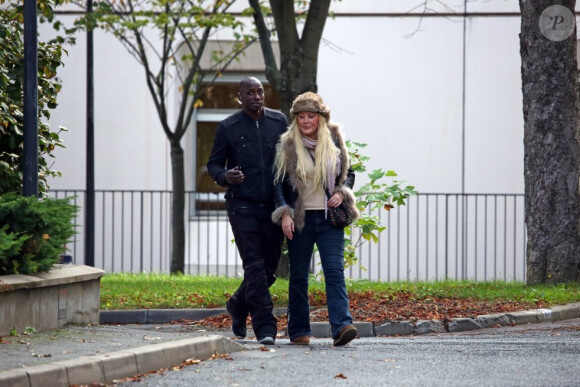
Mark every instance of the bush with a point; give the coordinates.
(33, 233)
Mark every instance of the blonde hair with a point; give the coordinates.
(325, 151)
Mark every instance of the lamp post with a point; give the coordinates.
(90, 172)
(30, 85)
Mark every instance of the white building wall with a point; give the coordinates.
(401, 96)
(131, 149)
(494, 125)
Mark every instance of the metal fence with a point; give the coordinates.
(435, 236)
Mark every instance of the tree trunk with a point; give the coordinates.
(298, 59)
(551, 147)
(177, 209)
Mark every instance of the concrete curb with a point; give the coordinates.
(155, 316)
(120, 364)
(160, 316)
(557, 313)
(365, 329)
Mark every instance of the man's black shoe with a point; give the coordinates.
(267, 340)
(238, 322)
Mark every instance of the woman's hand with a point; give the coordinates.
(288, 226)
(335, 200)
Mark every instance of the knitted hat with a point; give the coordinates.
(310, 102)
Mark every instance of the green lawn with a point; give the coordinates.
(162, 291)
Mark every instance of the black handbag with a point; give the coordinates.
(338, 216)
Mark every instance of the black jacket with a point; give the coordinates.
(251, 145)
(288, 194)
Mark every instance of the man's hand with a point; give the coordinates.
(234, 176)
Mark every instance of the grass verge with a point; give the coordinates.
(163, 291)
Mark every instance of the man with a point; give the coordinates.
(241, 160)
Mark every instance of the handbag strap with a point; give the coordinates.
(314, 161)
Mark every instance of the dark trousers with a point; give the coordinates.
(259, 243)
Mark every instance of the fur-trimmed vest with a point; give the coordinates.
(288, 193)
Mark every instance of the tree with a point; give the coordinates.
(11, 94)
(192, 22)
(296, 75)
(298, 54)
(551, 141)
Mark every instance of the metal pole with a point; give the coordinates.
(30, 85)
(90, 172)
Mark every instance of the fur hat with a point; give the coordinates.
(310, 102)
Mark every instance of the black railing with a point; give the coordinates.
(435, 236)
(455, 236)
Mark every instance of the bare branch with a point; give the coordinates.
(427, 9)
(272, 72)
(334, 47)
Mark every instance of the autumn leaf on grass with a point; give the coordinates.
(340, 376)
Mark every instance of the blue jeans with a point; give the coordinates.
(330, 242)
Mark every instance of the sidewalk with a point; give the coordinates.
(144, 343)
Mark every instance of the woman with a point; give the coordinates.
(312, 174)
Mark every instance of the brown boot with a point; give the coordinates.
(300, 340)
(345, 335)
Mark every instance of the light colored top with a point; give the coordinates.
(313, 197)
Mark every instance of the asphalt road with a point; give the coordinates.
(545, 354)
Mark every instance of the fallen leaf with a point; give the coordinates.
(340, 376)
(151, 338)
(41, 355)
(217, 356)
